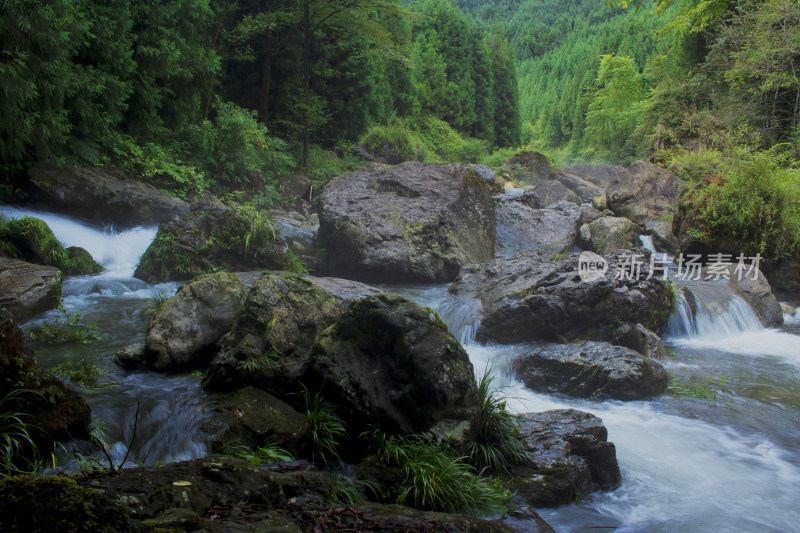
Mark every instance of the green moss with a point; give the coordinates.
(57, 504)
(30, 239)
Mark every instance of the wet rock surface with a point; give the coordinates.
(531, 298)
(569, 456)
(27, 289)
(408, 223)
(595, 370)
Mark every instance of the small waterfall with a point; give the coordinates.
(117, 253)
(647, 243)
(711, 310)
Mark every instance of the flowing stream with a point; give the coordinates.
(731, 463)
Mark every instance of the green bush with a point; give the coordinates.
(324, 429)
(16, 442)
(66, 328)
(84, 372)
(753, 207)
(267, 453)
(394, 143)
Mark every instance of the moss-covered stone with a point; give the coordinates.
(32, 240)
(57, 504)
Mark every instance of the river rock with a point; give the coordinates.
(250, 417)
(299, 229)
(107, 196)
(131, 357)
(212, 236)
(184, 332)
(408, 223)
(600, 175)
(755, 289)
(554, 191)
(55, 408)
(639, 338)
(486, 173)
(343, 291)
(530, 168)
(532, 297)
(663, 238)
(295, 186)
(569, 456)
(525, 195)
(27, 289)
(281, 317)
(595, 370)
(607, 234)
(582, 188)
(644, 192)
(784, 278)
(551, 230)
(32, 240)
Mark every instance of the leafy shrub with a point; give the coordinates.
(497, 443)
(394, 142)
(755, 205)
(66, 328)
(84, 372)
(294, 264)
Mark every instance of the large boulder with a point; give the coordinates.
(784, 278)
(27, 289)
(639, 338)
(295, 186)
(600, 175)
(55, 409)
(212, 236)
(32, 240)
(344, 291)
(392, 364)
(663, 238)
(607, 234)
(583, 189)
(280, 319)
(104, 195)
(530, 168)
(554, 191)
(408, 223)
(569, 456)
(551, 230)
(185, 331)
(595, 370)
(644, 192)
(536, 298)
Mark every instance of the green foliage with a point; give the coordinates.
(434, 478)
(753, 206)
(267, 453)
(261, 231)
(30, 239)
(84, 372)
(294, 264)
(157, 301)
(497, 443)
(325, 431)
(263, 362)
(693, 389)
(18, 452)
(66, 328)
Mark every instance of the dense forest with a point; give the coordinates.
(192, 94)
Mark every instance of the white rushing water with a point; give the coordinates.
(117, 252)
(680, 473)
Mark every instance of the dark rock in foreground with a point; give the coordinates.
(107, 196)
(530, 298)
(595, 370)
(644, 192)
(408, 223)
(569, 455)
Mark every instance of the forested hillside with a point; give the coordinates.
(193, 94)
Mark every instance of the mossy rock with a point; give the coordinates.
(57, 504)
(32, 240)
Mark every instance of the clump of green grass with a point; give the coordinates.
(263, 362)
(325, 431)
(434, 478)
(157, 301)
(267, 453)
(497, 443)
(294, 264)
(66, 328)
(18, 451)
(693, 389)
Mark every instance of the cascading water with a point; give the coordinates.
(729, 465)
(171, 407)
